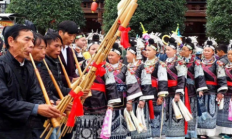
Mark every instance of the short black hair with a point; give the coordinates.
(68, 26)
(223, 47)
(13, 31)
(38, 39)
(52, 36)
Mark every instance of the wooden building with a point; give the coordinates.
(196, 19)
(93, 20)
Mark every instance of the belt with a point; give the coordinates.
(172, 83)
(98, 87)
(229, 83)
(154, 83)
(211, 83)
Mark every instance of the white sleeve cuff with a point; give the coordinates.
(223, 88)
(202, 89)
(165, 93)
(131, 97)
(114, 101)
(180, 91)
(147, 97)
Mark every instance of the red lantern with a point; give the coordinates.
(94, 6)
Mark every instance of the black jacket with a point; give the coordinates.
(54, 66)
(17, 99)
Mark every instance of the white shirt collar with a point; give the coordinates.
(22, 63)
(64, 53)
(66, 46)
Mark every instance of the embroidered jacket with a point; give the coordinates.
(153, 75)
(215, 76)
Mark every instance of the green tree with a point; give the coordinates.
(219, 19)
(156, 15)
(48, 13)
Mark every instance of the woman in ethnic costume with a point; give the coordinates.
(217, 86)
(195, 83)
(224, 118)
(89, 126)
(176, 71)
(134, 61)
(153, 77)
(126, 86)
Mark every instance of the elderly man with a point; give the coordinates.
(20, 95)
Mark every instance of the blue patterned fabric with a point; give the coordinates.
(175, 127)
(222, 118)
(156, 123)
(211, 108)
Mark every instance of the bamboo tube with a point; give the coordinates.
(65, 73)
(49, 133)
(58, 91)
(77, 64)
(54, 81)
(45, 130)
(55, 123)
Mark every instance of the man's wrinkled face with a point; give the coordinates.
(23, 44)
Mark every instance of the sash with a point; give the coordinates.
(206, 69)
(171, 73)
(228, 73)
(118, 80)
(98, 87)
(189, 73)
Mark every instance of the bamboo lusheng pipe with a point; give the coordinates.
(54, 121)
(77, 63)
(47, 123)
(65, 73)
(105, 41)
(57, 89)
(54, 81)
(108, 37)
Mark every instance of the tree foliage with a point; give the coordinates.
(156, 15)
(219, 19)
(48, 13)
